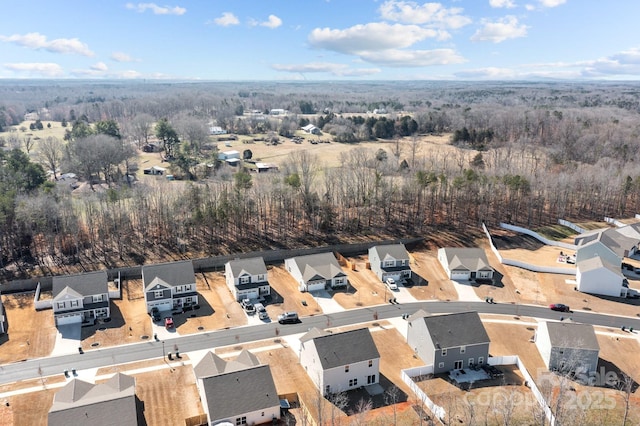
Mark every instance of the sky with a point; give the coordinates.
(240, 40)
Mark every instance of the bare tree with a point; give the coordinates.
(50, 151)
(360, 412)
(142, 128)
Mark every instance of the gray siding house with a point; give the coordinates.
(390, 261)
(465, 263)
(316, 272)
(568, 347)
(169, 286)
(80, 298)
(247, 278)
(448, 342)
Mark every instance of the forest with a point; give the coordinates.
(527, 153)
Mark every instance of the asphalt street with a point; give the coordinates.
(103, 357)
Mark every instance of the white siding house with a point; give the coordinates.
(568, 347)
(465, 263)
(314, 272)
(247, 278)
(80, 298)
(597, 248)
(597, 276)
(169, 286)
(390, 261)
(338, 362)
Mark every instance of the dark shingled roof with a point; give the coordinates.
(252, 266)
(396, 251)
(112, 403)
(453, 330)
(572, 335)
(173, 274)
(349, 347)
(231, 394)
(81, 284)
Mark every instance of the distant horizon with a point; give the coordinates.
(326, 40)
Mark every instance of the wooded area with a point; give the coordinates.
(525, 153)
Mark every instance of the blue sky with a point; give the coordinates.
(321, 39)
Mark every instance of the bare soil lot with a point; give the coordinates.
(28, 409)
(439, 287)
(287, 297)
(31, 333)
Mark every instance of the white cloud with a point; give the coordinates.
(157, 10)
(412, 58)
(504, 29)
(502, 3)
(552, 3)
(36, 69)
(99, 66)
(38, 41)
(369, 37)
(272, 22)
(123, 57)
(434, 14)
(226, 20)
(340, 70)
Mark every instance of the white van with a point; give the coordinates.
(262, 312)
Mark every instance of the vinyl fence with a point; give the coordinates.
(537, 236)
(572, 225)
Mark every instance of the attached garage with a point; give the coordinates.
(75, 318)
(396, 275)
(460, 275)
(165, 305)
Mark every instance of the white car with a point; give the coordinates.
(391, 283)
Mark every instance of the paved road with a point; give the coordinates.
(103, 357)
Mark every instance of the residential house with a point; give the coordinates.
(241, 392)
(390, 261)
(217, 130)
(316, 271)
(80, 298)
(230, 157)
(448, 342)
(465, 263)
(107, 404)
(619, 240)
(169, 286)
(278, 111)
(247, 278)
(338, 362)
(597, 248)
(568, 347)
(596, 275)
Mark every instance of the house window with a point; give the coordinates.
(441, 365)
(158, 294)
(97, 298)
(353, 382)
(370, 363)
(244, 280)
(327, 390)
(346, 368)
(444, 352)
(241, 420)
(74, 303)
(262, 278)
(60, 305)
(179, 289)
(463, 349)
(480, 360)
(388, 263)
(371, 379)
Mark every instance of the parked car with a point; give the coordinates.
(559, 307)
(168, 322)
(155, 314)
(391, 283)
(288, 318)
(248, 306)
(261, 310)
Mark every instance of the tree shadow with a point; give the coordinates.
(116, 320)
(415, 280)
(609, 375)
(515, 241)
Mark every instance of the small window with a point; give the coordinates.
(463, 349)
(244, 280)
(444, 352)
(74, 303)
(353, 382)
(480, 360)
(158, 293)
(60, 305)
(441, 365)
(346, 368)
(370, 363)
(389, 263)
(241, 420)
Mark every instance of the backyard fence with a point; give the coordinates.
(537, 236)
(408, 376)
(572, 225)
(615, 222)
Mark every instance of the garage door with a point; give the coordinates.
(458, 275)
(69, 319)
(164, 306)
(397, 276)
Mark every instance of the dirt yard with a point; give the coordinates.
(28, 409)
(425, 263)
(285, 295)
(31, 333)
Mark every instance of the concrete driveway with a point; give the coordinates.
(326, 302)
(67, 339)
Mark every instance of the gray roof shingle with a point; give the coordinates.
(252, 266)
(469, 258)
(454, 330)
(172, 274)
(572, 335)
(81, 285)
(319, 266)
(395, 251)
(348, 347)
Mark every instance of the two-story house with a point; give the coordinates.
(338, 362)
(247, 278)
(111, 403)
(80, 298)
(448, 342)
(169, 286)
(314, 272)
(239, 392)
(390, 261)
(568, 347)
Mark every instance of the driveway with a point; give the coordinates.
(326, 302)
(465, 291)
(67, 339)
